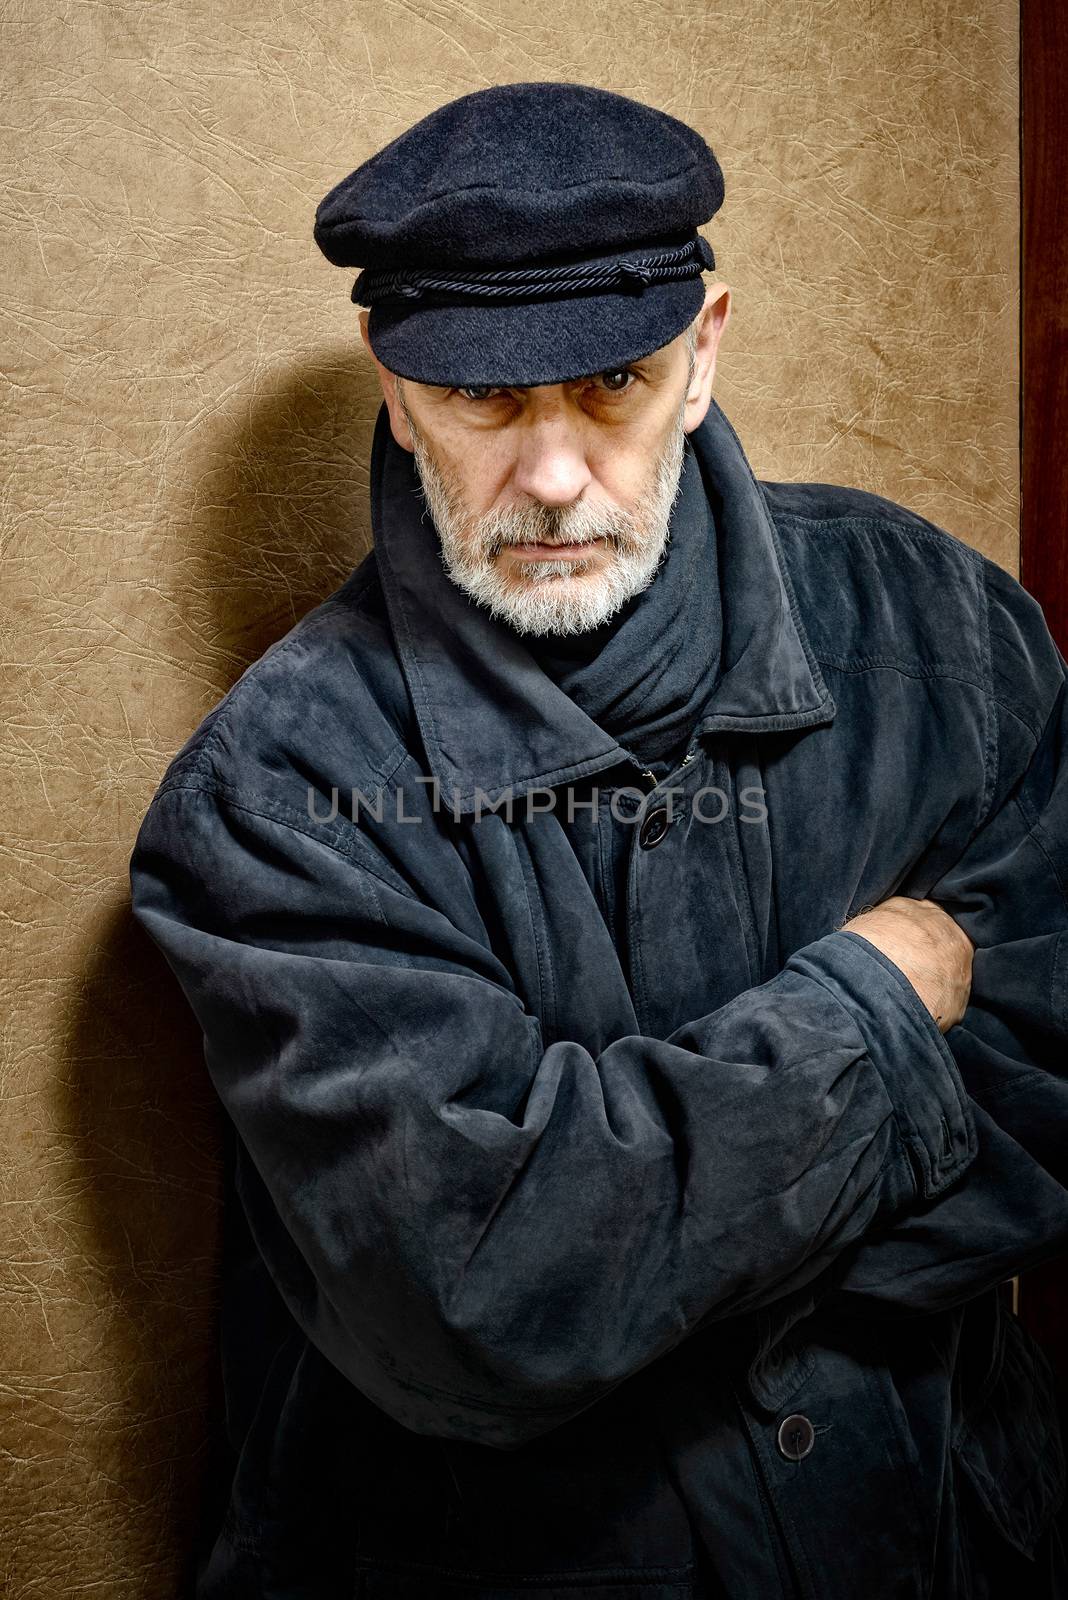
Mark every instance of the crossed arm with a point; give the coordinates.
(486, 1234)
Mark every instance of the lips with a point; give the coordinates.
(564, 551)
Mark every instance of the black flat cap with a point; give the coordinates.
(525, 234)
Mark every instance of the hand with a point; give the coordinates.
(928, 946)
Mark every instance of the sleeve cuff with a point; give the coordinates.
(907, 1049)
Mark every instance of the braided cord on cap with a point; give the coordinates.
(534, 282)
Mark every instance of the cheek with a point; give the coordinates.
(620, 475)
(481, 470)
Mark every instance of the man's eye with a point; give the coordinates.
(618, 380)
(611, 379)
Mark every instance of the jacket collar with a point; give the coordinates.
(493, 723)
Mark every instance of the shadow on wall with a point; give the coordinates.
(279, 514)
(277, 519)
(142, 1129)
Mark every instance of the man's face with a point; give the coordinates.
(553, 503)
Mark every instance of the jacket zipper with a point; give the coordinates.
(652, 778)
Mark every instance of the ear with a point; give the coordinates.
(398, 422)
(713, 319)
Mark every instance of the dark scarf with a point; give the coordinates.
(645, 675)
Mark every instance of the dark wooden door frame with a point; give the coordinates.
(1044, 310)
(1043, 1293)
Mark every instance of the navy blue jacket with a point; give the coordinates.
(603, 1220)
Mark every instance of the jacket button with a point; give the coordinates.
(796, 1437)
(653, 828)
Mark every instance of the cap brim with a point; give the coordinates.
(522, 343)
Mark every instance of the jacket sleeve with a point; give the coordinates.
(484, 1233)
(1009, 891)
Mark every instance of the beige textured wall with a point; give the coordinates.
(187, 420)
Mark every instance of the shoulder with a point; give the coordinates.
(878, 581)
(324, 706)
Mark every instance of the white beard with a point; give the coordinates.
(555, 597)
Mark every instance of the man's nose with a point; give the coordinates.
(551, 464)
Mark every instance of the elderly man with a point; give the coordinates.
(629, 926)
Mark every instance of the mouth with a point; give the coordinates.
(555, 552)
